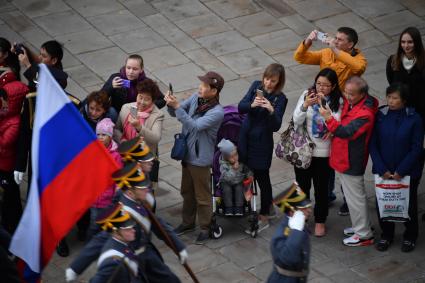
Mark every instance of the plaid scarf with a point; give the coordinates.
(206, 104)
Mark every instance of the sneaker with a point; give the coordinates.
(343, 210)
(228, 211)
(383, 245)
(262, 225)
(349, 231)
(407, 246)
(238, 211)
(62, 248)
(182, 229)
(203, 237)
(356, 241)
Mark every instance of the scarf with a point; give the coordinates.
(206, 104)
(129, 131)
(408, 64)
(132, 91)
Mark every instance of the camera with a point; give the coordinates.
(19, 48)
(321, 36)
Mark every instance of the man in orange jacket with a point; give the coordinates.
(340, 55)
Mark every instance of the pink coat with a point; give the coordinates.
(105, 199)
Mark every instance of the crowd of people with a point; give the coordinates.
(342, 119)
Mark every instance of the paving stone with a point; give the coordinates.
(137, 40)
(389, 49)
(37, 8)
(262, 270)
(376, 60)
(227, 272)
(277, 41)
(10, 34)
(247, 62)
(318, 9)
(167, 196)
(84, 41)
(207, 62)
(83, 76)
(35, 36)
(226, 42)
(62, 23)
(331, 24)
(17, 20)
(228, 9)
(286, 58)
(233, 91)
(104, 62)
(75, 89)
(139, 8)
(116, 22)
(6, 6)
(320, 280)
(171, 33)
(372, 38)
(276, 8)
(180, 9)
(182, 77)
(370, 9)
(247, 253)
(387, 269)
(394, 24)
(256, 24)
(203, 25)
(68, 59)
(306, 72)
(298, 24)
(163, 57)
(416, 6)
(94, 7)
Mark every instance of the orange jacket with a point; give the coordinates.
(343, 64)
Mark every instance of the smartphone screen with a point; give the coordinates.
(260, 93)
(321, 36)
(323, 102)
(133, 112)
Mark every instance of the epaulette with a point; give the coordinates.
(31, 94)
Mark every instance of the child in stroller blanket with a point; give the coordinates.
(233, 178)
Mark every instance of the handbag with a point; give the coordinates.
(295, 146)
(179, 149)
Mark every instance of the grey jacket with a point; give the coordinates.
(232, 176)
(202, 130)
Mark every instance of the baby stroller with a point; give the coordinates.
(229, 129)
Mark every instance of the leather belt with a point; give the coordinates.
(290, 273)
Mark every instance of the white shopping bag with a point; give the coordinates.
(393, 198)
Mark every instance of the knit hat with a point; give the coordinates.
(226, 147)
(105, 127)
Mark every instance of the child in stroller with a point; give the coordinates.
(234, 178)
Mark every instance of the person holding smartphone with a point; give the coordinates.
(122, 86)
(325, 93)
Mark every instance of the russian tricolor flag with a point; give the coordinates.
(71, 168)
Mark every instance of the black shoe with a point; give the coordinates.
(407, 246)
(343, 210)
(383, 245)
(62, 249)
(228, 211)
(182, 229)
(238, 211)
(203, 237)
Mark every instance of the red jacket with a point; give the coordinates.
(349, 147)
(9, 124)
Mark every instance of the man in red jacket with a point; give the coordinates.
(12, 95)
(349, 155)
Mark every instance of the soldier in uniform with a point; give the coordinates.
(117, 261)
(290, 245)
(136, 199)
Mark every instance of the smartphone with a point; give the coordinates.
(133, 111)
(170, 88)
(323, 103)
(311, 91)
(321, 36)
(260, 93)
(126, 83)
(19, 48)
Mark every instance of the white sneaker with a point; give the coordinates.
(349, 231)
(356, 241)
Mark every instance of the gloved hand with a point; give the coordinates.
(297, 221)
(70, 275)
(18, 177)
(183, 256)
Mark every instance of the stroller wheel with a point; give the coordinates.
(217, 232)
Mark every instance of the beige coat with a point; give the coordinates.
(151, 131)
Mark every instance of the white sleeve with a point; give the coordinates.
(300, 116)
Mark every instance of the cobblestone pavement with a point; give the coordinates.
(180, 39)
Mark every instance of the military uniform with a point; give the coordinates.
(290, 245)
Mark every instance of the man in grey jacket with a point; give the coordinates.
(201, 116)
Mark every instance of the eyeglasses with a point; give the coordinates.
(323, 85)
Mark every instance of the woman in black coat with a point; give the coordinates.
(264, 105)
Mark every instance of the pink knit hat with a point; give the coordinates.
(105, 126)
